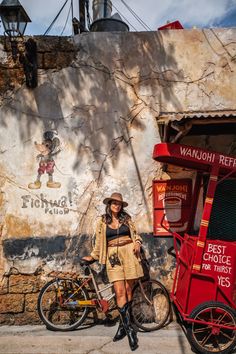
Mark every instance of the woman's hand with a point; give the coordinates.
(137, 249)
(88, 258)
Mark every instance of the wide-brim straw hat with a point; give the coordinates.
(117, 197)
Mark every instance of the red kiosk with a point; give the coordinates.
(204, 288)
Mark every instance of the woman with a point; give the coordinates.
(118, 246)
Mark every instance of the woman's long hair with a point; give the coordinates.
(123, 216)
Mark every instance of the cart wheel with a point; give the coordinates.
(207, 338)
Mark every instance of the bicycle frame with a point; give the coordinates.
(100, 302)
(99, 292)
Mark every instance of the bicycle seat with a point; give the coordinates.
(84, 262)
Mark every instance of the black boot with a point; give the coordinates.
(125, 318)
(130, 312)
(121, 333)
(131, 317)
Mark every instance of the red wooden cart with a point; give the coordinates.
(204, 288)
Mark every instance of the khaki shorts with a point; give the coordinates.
(130, 267)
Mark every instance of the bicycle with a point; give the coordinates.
(65, 301)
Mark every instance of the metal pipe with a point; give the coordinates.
(105, 9)
(72, 9)
(82, 15)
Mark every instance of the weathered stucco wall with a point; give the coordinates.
(101, 96)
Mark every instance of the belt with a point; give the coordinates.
(119, 243)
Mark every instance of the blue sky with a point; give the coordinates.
(155, 13)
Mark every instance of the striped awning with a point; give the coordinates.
(221, 115)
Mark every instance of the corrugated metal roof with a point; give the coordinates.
(171, 116)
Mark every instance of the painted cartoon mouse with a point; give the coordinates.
(49, 147)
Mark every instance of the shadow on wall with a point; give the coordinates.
(122, 86)
(116, 79)
(132, 78)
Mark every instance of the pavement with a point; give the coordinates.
(91, 340)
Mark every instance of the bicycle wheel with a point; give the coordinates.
(52, 309)
(150, 307)
(207, 338)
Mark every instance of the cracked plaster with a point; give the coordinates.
(104, 107)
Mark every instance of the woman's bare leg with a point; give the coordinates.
(129, 287)
(120, 291)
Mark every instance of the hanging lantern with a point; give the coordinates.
(14, 18)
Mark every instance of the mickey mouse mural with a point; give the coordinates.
(49, 148)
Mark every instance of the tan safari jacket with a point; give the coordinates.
(99, 251)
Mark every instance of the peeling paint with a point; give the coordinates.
(104, 104)
(17, 226)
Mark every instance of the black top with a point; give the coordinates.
(112, 234)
